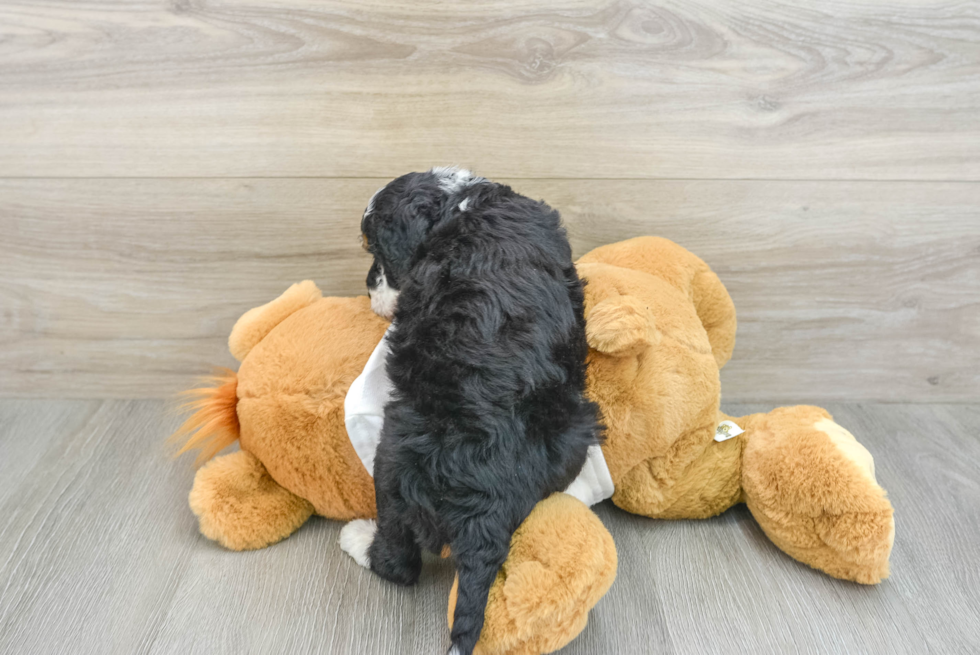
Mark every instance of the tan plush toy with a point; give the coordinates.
(660, 325)
(299, 355)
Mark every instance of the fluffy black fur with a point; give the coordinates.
(489, 413)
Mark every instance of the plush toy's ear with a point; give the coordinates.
(620, 325)
(258, 322)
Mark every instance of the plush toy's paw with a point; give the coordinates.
(562, 561)
(811, 486)
(259, 321)
(356, 538)
(240, 506)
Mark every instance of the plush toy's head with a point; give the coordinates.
(660, 325)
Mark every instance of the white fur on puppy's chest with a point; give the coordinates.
(356, 538)
(364, 417)
(384, 299)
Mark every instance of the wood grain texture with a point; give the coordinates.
(884, 89)
(129, 288)
(100, 554)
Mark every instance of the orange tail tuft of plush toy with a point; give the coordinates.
(213, 423)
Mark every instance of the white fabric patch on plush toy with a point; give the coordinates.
(594, 483)
(364, 405)
(364, 415)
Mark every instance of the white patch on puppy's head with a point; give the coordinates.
(463, 205)
(454, 178)
(384, 299)
(370, 205)
(356, 538)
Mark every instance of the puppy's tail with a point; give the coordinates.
(213, 421)
(479, 551)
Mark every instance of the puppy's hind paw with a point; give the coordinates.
(356, 538)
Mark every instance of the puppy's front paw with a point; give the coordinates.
(356, 538)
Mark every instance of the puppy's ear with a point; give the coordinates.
(620, 326)
(408, 221)
(419, 210)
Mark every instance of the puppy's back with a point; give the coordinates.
(487, 362)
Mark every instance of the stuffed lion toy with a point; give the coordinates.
(660, 326)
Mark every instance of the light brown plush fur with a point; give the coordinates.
(291, 390)
(256, 323)
(660, 325)
(815, 497)
(241, 507)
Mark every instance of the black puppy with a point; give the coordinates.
(487, 361)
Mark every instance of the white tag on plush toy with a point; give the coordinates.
(726, 430)
(364, 409)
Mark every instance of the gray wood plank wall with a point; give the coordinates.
(166, 166)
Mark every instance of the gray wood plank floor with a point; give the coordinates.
(100, 554)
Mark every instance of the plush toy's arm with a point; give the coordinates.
(258, 322)
(620, 325)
